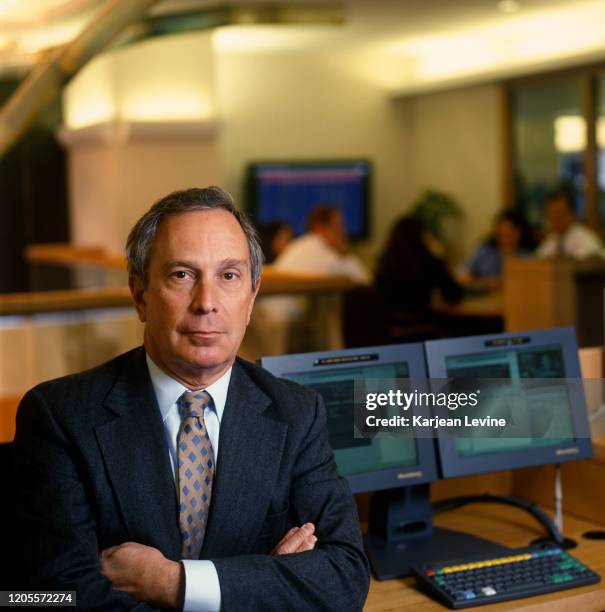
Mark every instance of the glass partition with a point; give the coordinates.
(549, 139)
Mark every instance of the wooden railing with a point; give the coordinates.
(273, 283)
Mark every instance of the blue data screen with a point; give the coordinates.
(284, 192)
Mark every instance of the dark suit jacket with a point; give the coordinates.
(94, 471)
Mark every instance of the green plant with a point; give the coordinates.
(433, 208)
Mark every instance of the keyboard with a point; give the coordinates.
(520, 572)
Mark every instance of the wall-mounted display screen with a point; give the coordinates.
(288, 191)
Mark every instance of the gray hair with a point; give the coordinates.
(140, 239)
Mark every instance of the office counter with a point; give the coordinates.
(540, 293)
(510, 527)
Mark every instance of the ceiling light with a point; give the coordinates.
(509, 6)
(570, 134)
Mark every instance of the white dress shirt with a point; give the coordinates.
(578, 242)
(311, 254)
(202, 588)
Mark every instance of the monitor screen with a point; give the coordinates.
(357, 455)
(547, 422)
(287, 191)
(368, 463)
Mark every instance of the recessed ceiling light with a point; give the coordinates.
(509, 6)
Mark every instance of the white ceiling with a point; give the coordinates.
(417, 44)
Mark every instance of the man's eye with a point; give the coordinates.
(181, 274)
(229, 275)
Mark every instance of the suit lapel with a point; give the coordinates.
(134, 450)
(250, 449)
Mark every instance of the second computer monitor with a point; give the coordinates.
(550, 416)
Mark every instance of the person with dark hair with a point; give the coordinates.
(410, 269)
(274, 238)
(567, 237)
(125, 494)
(510, 237)
(324, 249)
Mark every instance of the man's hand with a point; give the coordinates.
(144, 573)
(298, 539)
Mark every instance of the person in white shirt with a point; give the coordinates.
(281, 321)
(568, 237)
(324, 249)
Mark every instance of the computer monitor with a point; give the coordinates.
(369, 464)
(548, 422)
(287, 191)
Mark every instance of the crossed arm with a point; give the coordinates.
(146, 575)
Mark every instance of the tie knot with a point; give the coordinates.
(192, 403)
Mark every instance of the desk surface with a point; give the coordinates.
(488, 305)
(514, 528)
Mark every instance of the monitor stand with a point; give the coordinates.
(401, 533)
(566, 543)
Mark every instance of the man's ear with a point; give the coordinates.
(254, 294)
(138, 296)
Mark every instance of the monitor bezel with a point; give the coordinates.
(253, 205)
(451, 464)
(425, 470)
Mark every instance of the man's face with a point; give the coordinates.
(559, 215)
(337, 225)
(198, 298)
(507, 236)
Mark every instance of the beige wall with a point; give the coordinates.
(305, 106)
(453, 141)
(308, 106)
(113, 183)
(140, 122)
(162, 79)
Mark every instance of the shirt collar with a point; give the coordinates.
(168, 390)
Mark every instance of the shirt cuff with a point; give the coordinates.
(202, 588)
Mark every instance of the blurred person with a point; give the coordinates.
(285, 322)
(123, 494)
(411, 268)
(484, 269)
(274, 238)
(324, 249)
(567, 237)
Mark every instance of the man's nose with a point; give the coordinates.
(203, 298)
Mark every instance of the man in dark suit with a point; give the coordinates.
(126, 495)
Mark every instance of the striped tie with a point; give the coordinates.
(195, 459)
